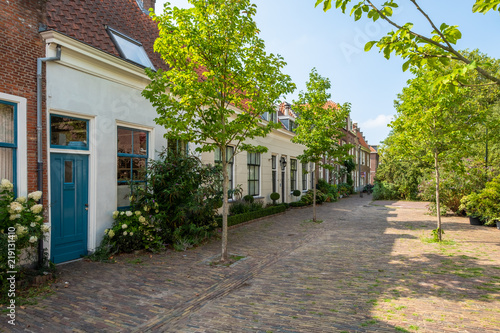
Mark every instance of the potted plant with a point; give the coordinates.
(470, 204)
(489, 199)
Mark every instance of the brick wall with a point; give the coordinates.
(20, 46)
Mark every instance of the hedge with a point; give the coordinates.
(240, 218)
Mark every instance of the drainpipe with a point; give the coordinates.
(39, 131)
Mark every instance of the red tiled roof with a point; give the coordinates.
(373, 150)
(362, 140)
(86, 21)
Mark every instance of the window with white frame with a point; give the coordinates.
(230, 163)
(274, 172)
(8, 141)
(132, 158)
(293, 174)
(253, 163)
(304, 176)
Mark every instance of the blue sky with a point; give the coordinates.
(307, 37)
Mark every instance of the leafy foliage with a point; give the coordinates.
(319, 125)
(220, 80)
(435, 49)
(182, 197)
(21, 227)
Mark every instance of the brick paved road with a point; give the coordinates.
(364, 269)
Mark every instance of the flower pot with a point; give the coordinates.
(475, 220)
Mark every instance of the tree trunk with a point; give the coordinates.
(316, 175)
(225, 184)
(438, 204)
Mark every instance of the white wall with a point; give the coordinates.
(108, 96)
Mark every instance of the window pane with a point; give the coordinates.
(7, 123)
(124, 172)
(138, 169)
(68, 171)
(69, 132)
(273, 161)
(124, 141)
(123, 195)
(7, 164)
(140, 143)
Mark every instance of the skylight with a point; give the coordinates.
(130, 48)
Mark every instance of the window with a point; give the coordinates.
(68, 132)
(293, 174)
(253, 162)
(130, 48)
(274, 172)
(311, 167)
(177, 146)
(8, 141)
(230, 162)
(304, 176)
(132, 159)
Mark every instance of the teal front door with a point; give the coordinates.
(68, 206)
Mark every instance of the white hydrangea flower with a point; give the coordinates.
(124, 226)
(21, 230)
(45, 228)
(33, 239)
(142, 219)
(15, 207)
(6, 184)
(21, 199)
(124, 233)
(111, 233)
(14, 217)
(37, 195)
(33, 224)
(115, 214)
(137, 212)
(36, 209)
(38, 218)
(131, 234)
(129, 213)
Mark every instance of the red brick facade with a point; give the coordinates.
(20, 47)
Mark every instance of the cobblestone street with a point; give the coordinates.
(365, 268)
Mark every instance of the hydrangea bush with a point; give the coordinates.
(133, 230)
(24, 217)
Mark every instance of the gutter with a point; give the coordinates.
(39, 132)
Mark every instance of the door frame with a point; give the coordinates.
(91, 217)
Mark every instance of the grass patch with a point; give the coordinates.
(369, 322)
(312, 221)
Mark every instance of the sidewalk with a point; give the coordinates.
(364, 269)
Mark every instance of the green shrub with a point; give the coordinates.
(331, 191)
(248, 198)
(486, 203)
(275, 196)
(299, 204)
(345, 189)
(296, 193)
(309, 197)
(182, 196)
(241, 206)
(385, 191)
(244, 217)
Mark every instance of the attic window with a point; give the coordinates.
(130, 48)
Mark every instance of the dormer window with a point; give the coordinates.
(130, 48)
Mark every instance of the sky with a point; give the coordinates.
(333, 43)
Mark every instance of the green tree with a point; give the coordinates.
(435, 49)
(220, 82)
(435, 127)
(318, 126)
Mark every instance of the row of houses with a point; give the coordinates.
(74, 125)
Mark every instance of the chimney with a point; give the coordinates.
(149, 4)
